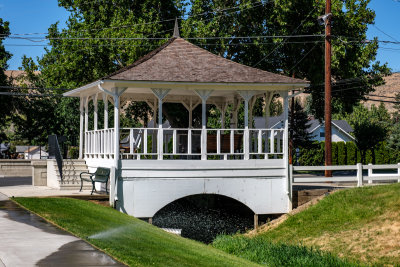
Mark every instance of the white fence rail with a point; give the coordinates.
(174, 143)
(359, 178)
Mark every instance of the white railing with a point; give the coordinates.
(175, 143)
(359, 177)
(99, 143)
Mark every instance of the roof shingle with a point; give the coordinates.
(180, 61)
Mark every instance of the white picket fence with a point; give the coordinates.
(360, 179)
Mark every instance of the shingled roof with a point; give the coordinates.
(181, 61)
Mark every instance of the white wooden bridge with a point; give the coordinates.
(156, 166)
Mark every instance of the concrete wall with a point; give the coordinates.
(39, 172)
(146, 186)
(15, 167)
(52, 177)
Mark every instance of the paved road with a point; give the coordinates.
(14, 181)
(28, 240)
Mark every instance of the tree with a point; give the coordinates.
(73, 61)
(299, 130)
(6, 102)
(369, 127)
(299, 137)
(301, 57)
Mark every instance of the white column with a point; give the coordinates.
(203, 94)
(268, 99)
(105, 100)
(251, 106)
(286, 144)
(86, 124)
(286, 126)
(95, 117)
(160, 94)
(246, 95)
(81, 121)
(117, 92)
(86, 114)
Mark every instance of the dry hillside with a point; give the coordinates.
(391, 87)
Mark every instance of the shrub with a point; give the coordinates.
(341, 153)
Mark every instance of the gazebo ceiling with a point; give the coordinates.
(178, 64)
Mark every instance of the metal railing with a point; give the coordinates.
(54, 149)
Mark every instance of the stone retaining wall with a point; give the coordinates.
(15, 167)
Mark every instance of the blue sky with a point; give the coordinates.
(29, 16)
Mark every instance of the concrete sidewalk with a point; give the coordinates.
(28, 240)
(40, 191)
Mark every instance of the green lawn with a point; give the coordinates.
(127, 239)
(358, 224)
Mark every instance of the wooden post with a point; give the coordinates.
(255, 221)
(328, 90)
(359, 175)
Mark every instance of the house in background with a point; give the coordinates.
(31, 152)
(340, 128)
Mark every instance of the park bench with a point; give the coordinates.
(101, 175)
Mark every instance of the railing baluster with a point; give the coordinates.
(189, 142)
(174, 142)
(160, 143)
(231, 141)
(131, 141)
(259, 139)
(218, 141)
(272, 142)
(145, 141)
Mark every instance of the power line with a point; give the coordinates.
(385, 33)
(150, 23)
(41, 39)
(29, 95)
(156, 45)
(298, 62)
(281, 44)
(31, 88)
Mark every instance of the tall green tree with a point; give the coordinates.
(6, 101)
(83, 52)
(370, 126)
(302, 57)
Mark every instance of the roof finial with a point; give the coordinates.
(176, 29)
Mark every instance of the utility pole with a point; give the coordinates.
(328, 92)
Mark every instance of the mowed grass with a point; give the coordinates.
(359, 224)
(127, 239)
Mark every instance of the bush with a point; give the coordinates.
(347, 154)
(341, 153)
(334, 153)
(351, 150)
(73, 152)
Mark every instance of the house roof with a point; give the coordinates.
(181, 61)
(259, 123)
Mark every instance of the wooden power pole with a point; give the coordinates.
(328, 92)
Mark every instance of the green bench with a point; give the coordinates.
(101, 175)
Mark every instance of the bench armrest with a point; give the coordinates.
(89, 173)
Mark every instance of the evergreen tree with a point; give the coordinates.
(299, 134)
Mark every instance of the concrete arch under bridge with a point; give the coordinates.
(261, 186)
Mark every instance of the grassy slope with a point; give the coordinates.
(128, 239)
(361, 224)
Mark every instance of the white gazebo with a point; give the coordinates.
(155, 166)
